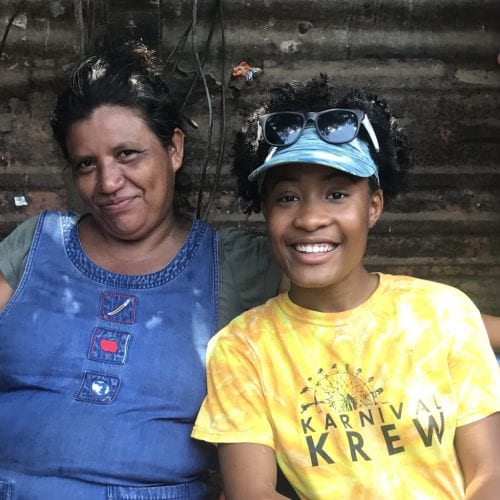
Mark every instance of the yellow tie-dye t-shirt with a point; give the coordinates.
(361, 404)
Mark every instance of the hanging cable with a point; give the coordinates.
(180, 45)
(78, 11)
(203, 58)
(210, 114)
(179, 48)
(218, 169)
(199, 73)
(9, 25)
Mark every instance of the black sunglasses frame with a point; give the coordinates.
(362, 119)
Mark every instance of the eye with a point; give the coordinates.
(336, 195)
(84, 166)
(287, 198)
(126, 154)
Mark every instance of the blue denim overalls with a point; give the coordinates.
(101, 375)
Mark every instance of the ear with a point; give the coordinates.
(376, 207)
(176, 149)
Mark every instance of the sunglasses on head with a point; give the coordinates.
(335, 126)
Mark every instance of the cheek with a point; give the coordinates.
(161, 187)
(358, 218)
(83, 186)
(168, 181)
(153, 176)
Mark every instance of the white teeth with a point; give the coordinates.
(314, 248)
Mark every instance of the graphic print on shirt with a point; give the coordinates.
(342, 390)
(344, 415)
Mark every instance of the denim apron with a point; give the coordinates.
(102, 374)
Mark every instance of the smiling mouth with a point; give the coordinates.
(315, 248)
(115, 203)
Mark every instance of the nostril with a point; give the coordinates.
(110, 179)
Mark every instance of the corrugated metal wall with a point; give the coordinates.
(436, 62)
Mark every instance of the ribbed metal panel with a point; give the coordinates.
(435, 61)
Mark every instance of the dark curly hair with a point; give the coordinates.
(127, 75)
(316, 95)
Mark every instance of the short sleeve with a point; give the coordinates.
(235, 408)
(14, 250)
(248, 274)
(473, 366)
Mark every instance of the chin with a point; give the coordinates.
(311, 284)
(312, 280)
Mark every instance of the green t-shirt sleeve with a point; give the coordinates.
(248, 275)
(14, 250)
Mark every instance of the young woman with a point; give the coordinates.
(361, 385)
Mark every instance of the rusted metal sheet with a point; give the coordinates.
(435, 61)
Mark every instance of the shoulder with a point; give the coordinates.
(429, 291)
(238, 242)
(438, 308)
(252, 325)
(25, 229)
(19, 240)
(248, 275)
(14, 250)
(246, 253)
(243, 252)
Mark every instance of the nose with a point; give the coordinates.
(311, 215)
(110, 177)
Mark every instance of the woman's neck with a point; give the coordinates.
(343, 296)
(132, 257)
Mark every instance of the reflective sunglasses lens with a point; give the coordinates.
(337, 126)
(283, 128)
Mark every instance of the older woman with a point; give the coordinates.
(105, 317)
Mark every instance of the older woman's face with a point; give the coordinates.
(122, 172)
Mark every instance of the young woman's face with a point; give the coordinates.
(122, 172)
(318, 221)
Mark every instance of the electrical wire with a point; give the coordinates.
(222, 144)
(180, 46)
(78, 9)
(210, 113)
(203, 58)
(9, 25)
(199, 74)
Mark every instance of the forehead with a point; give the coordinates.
(302, 173)
(110, 124)
(111, 117)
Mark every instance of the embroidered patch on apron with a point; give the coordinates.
(109, 346)
(118, 307)
(98, 388)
